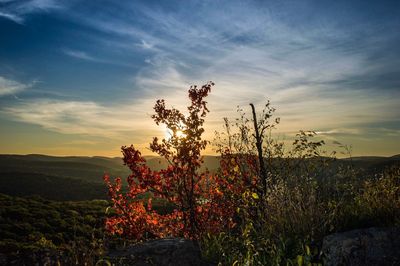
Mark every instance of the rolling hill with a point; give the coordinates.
(50, 187)
(80, 178)
(67, 178)
(90, 169)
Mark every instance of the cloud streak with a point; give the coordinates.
(84, 56)
(310, 71)
(81, 117)
(11, 87)
(17, 11)
(330, 68)
(80, 55)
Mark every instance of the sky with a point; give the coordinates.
(81, 77)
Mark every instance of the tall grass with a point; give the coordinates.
(310, 195)
(287, 226)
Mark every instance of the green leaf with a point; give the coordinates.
(300, 260)
(308, 250)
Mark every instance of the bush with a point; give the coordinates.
(196, 208)
(269, 204)
(303, 193)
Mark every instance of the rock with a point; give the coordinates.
(160, 252)
(372, 246)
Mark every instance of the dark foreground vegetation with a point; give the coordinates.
(34, 230)
(271, 203)
(64, 231)
(268, 203)
(73, 232)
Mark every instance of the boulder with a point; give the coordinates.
(371, 246)
(160, 252)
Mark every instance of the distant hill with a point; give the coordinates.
(80, 178)
(373, 164)
(50, 187)
(68, 178)
(211, 163)
(90, 169)
(58, 178)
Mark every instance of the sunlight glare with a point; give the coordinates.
(168, 133)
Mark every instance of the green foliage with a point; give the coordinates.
(30, 226)
(374, 201)
(309, 195)
(288, 226)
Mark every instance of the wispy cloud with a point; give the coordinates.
(333, 69)
(341, 131)
(146, 45)
(82, 117)
(312, 70)
(11, 87)
(80, 55)
(12, 17)
(363, 138)
(17, 10)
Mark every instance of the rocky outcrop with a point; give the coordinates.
(160, 252)
(372, 246)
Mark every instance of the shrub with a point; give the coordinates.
(193, 195)
(269, 204)
(288, 198)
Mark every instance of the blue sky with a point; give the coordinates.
(81, 77)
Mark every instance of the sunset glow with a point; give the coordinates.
(82, 77)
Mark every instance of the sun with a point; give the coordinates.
(168, 133)
(180, 134)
